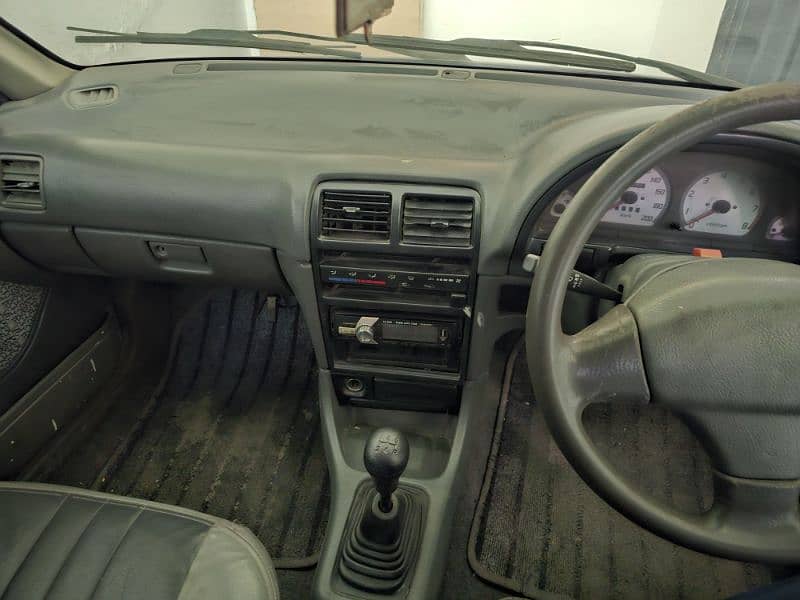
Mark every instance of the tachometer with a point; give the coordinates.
(724, 202)
(641, 204)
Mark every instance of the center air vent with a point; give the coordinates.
(355, 215)
(20, 181)
(437, 220)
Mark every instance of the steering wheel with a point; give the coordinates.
(716, 342)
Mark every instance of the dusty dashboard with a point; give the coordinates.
(740, 198)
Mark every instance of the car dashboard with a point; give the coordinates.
(397, 224)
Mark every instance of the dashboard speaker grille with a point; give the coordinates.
(355, 215)
(20, 183)
(438, 220)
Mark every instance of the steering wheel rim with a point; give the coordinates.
(567, 371)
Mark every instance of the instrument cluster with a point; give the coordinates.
(699, 198)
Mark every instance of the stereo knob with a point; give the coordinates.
(365, 334)
(365, 330)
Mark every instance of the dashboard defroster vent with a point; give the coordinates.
(93, 97)
(437, 220)
(20, 183)
(355, 215)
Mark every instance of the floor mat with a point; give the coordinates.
(539, 528)
(234, 431)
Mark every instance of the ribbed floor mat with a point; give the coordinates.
(234, 432)
(539, 527)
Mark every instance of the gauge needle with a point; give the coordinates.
(700, 217)
(719, 206)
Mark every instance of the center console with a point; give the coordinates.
(395, 276)
(395, 272)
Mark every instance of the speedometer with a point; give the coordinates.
(724, 202)
(641, 204)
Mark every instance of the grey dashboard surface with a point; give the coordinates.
(231, 150)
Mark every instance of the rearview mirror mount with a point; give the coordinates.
(355, 14)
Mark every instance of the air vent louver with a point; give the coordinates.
(437, 220)
(92, 97)
(355, 215)
(20, 181)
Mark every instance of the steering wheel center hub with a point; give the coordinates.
(720, 335)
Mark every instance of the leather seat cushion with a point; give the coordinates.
(66, 543)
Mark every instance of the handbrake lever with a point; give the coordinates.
(578, 282)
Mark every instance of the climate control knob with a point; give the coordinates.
(365, 330)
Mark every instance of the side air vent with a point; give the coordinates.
(93, 97)
(437, 220)
(20, 183)
(355, 215)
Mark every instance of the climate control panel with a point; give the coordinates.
(454, 281)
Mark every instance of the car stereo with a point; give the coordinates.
(380, 329)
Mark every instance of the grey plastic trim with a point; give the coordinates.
(24, 71)
(300, 277)
(49, 246)
(490, 323)
(52, 402)
(14, 267)
(129, 254)
(322, 67)
(658, 88)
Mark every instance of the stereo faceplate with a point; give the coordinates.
(376, 329)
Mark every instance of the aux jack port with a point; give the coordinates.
(354, 385)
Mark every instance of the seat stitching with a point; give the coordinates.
(35, 542)
(71, 550)
(156, 507)
(114, 552)
(194, 558)
(259, 555)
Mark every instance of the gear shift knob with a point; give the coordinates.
(386, 457)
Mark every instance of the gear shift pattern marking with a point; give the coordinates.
(387, 444)
(385, 458)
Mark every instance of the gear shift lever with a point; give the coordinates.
(384, 531)
(386, 457)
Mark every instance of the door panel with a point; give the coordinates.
(40, 326)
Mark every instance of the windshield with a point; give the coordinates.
(743, 41)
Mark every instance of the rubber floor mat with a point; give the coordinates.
(539, 528)
(234, 431)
